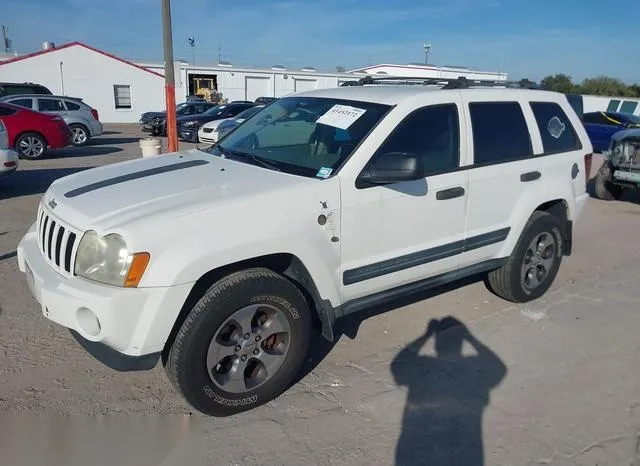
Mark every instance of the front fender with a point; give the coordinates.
(191, 246)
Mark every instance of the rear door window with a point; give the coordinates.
(500, 132)
(557, 132)
(50, 105)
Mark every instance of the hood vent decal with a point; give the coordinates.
(134, 176)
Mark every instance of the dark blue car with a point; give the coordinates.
(601, 126)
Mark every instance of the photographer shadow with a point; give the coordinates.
(447, 396)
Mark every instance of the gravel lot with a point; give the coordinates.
(565, 387)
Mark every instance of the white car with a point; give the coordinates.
(8, 158)
(220, 262)
(208, 133)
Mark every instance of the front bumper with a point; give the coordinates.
(209, 138)
(188, 134)
(125, 328)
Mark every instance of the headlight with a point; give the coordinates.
(106, 259)
(190, 124)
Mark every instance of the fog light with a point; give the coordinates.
(88, 322)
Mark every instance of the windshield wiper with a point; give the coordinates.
(259, 160)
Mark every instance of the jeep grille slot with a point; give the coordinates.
(57, 243)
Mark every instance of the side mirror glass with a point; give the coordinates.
(393, 167)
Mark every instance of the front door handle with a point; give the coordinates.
(530, 176)
(450, 193)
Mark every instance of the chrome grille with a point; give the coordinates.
(58, 243)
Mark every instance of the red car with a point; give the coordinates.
(31, 133)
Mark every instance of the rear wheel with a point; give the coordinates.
(534, 263)
(604, 188)
(31, 146)
(242, 344)
(80, 134)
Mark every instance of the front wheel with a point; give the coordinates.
(534, 263)
(242, 344)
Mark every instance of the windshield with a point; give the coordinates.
(179, 107)
(249, 112)
(215, 111)
(309, 136)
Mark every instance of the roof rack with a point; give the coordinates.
(460, 82)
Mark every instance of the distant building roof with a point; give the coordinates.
(75, 44)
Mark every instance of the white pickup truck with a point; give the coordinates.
(220, 262)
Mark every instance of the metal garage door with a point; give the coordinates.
(257, 87)
(305, 84)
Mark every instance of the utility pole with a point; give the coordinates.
(6, 40)
(169, 77)
(427, 48)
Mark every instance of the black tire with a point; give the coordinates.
(81, 134)
(604, 188)
(31, 146)
(507, 282)
(186, 363)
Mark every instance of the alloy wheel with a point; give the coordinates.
(538, 260)
(31, 147)
(248, 348)
(79, 135)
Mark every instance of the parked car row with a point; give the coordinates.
(36, 120)
(200, 121)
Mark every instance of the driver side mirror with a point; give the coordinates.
(393, 167)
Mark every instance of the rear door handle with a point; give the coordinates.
(450, 193)
(530, 176)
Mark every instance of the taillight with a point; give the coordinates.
(588, 159)
(10, 164)
(94, 112)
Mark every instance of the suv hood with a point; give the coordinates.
(171, 185)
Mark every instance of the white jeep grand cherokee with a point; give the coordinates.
(324, 203)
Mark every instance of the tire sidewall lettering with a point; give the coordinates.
(280, 302)
(228, 401)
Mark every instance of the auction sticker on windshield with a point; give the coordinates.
(341, 116)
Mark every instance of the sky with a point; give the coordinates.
(531, 40)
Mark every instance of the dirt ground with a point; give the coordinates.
(555, 382)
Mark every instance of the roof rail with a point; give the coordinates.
(460, 82)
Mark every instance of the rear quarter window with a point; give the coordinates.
(72, 106)
(500, 132)
(556, 130)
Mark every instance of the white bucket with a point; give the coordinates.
(150, 146)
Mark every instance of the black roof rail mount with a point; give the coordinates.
(460, 82)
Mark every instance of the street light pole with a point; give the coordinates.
(169, 77)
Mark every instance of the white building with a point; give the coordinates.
(121, 90)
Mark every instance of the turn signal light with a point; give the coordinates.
(138, 266)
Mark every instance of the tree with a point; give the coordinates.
(558, 83)
(605, 85)
(340, 69)
(634, 90)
